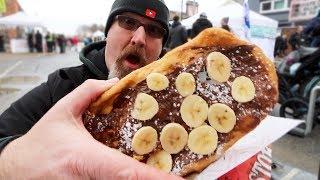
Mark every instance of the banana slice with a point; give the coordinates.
(161, 160)
(144, 140)
(203, 140)
(221, 117)
(218, 67)
(194, 110)
(173, 138)
(185, 84)
(242, 89)
(145, 107)
(157, 81)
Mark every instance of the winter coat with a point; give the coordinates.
(199, 26)
(177, 35)
(313, 27)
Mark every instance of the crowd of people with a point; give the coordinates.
(178, 34)
(308, 36)
(52, 42)
(38, 42)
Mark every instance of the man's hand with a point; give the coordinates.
(59, 146)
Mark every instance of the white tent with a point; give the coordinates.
(20, 19)
(263, 29)
(98, 33)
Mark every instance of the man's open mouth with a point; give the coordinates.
(132, 61)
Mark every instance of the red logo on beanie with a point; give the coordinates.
(151, 13)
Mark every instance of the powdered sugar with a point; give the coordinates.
(127, 132)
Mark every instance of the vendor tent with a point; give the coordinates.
(20, 19)
(98, 33)
(263, 29)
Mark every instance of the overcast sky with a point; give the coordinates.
(66, 15)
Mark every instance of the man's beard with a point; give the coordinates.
(133, 52)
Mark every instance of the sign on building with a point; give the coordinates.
(2, 6)
(301, 10)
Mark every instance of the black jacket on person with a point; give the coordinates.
(295, 40)
(25, 112)
(177, 35)
(200, 25)
(30, 40)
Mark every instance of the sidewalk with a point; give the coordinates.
(19, 73)
(21, 56)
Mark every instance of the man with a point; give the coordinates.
(312, 29)
(38, 41)
(61, 43)
(280, 45)
(42, 143)
(225, 24)
(178, 34)
(201, 23)
(295, 38)
(30, 40)
(2, 43)
(49, 42)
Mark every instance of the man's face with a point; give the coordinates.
(127, 50)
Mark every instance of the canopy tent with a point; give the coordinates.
(263, 29)
(98, 33)
(20, 19)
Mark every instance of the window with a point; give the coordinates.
(266, 6)
(279, 5)
(269, 6)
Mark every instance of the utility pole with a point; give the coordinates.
(181, 10)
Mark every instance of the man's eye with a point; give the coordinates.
(154, 29)
(129, 22)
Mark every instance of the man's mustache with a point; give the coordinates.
(136, 51)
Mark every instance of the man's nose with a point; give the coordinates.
(139, 37)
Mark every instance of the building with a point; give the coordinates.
(11, 6)
(191, 9)
(288, 13)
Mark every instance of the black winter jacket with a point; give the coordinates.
(177, 36)
(199, 26)
(25, 112)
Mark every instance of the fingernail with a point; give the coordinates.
(113, 80)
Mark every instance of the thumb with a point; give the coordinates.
(108, 163)
(79, 99)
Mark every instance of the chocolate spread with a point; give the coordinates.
(116, 129)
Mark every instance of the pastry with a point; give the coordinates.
(182, 112)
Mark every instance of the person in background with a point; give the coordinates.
(200, 24)
(38, 41)
(87, 41)
(225, 24)
(312, 29)
(2, 43)
(49, 42)
(177, 34)
(62, 43)
(74, 43)
(54, 43)
(30, 40)
(295, 39)
(280, 45)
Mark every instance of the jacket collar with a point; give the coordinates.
(93, 57)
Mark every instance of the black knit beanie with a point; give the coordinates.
(152, 9)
